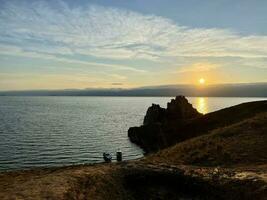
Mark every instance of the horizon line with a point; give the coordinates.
(132, 88)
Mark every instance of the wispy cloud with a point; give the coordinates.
(119, 77)
(197, 67)
(115, 33)
(18, 51)
(117, 84)
(111, 38)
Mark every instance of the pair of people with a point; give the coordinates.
(108, 158)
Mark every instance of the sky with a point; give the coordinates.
(81, 44)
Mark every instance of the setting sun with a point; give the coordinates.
(201, 81)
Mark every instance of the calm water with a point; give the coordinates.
(55, 131)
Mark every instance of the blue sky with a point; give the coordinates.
(129, 43)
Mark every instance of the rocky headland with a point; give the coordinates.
(219, 155)
(180, 121)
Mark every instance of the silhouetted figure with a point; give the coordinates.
(107, 157)
(119, 156)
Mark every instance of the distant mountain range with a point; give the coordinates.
(218, 90)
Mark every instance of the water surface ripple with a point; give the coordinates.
(55, 131)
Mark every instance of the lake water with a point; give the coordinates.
(56, 131)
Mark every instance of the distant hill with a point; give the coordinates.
(219, 90)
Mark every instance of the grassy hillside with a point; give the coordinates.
(242, 143)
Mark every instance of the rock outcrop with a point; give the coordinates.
(180, 121)
(157, 121)
(178, 109)
(154, 114)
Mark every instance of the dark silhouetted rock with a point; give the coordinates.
(180, 109)
(151, 136)
(180, 121)
(154, 114)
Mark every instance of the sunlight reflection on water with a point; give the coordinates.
(201, 105)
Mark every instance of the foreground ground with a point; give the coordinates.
(136, 180)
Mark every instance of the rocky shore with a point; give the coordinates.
(220, 155)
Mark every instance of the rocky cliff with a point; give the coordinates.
(158, 121)
(178, 109)
(180, 121)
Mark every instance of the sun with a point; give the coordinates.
(201, 81)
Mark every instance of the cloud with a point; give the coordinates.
(59, 81)
(116, 83)
(78, 35)
(57, 31)
(17, 51)
(198, 67)
(119, 77)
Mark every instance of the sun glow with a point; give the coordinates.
(201, 81)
